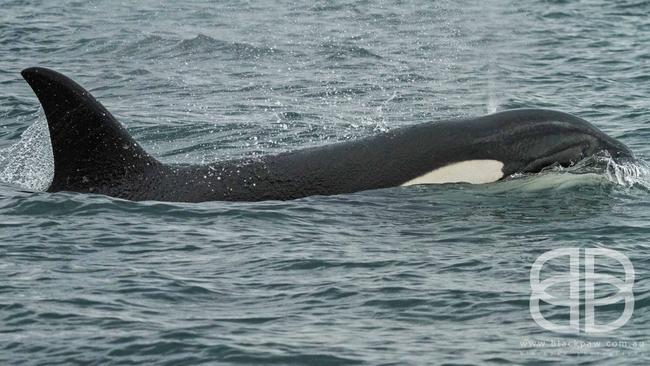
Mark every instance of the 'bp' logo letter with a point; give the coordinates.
(539, 290)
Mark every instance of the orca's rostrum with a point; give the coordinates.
(93, 153)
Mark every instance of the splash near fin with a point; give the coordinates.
(93, 152)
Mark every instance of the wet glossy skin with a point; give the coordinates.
(93, 153)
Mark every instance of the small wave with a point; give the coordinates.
(150, 45)
(206, 44)
(638, 5)
(557, 15)
(339, 52)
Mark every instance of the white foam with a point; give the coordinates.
(597, 170)
(628, 174)
(29, 163)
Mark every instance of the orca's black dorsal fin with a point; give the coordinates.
(93, 152)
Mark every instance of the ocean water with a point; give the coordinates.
(403, 276)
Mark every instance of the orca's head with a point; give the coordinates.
(616, 149)
(542, 138)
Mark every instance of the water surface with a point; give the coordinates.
(417, 275)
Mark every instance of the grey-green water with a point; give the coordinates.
(418, 275)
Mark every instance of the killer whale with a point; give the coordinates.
(93, 153)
